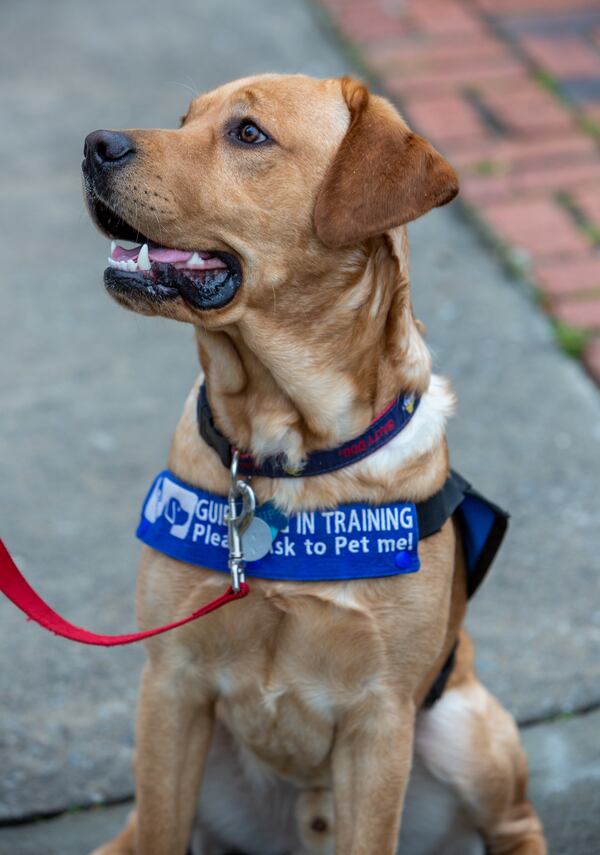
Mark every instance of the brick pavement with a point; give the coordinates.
(509, 90)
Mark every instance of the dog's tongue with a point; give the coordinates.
(170, 256)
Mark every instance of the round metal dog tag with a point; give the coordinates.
(257, 540)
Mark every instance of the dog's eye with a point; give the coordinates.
(249, 133)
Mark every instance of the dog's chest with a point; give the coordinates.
(289, 728)
(282, 696)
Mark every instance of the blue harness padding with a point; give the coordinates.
(482, 524)
(354, 541)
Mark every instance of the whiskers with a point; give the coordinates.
(193, 89)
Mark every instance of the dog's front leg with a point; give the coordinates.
(371, 764)
(174, 733)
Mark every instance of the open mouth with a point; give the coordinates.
(151, 273)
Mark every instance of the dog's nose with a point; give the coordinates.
(105, 148)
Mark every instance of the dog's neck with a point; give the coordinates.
(312, 368)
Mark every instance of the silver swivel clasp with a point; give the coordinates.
(238, 521)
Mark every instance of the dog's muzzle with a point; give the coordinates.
(147, 274)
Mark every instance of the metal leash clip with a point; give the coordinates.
(237, 523)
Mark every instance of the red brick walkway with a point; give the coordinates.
(509, 90)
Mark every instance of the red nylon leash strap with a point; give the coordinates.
(17, 589)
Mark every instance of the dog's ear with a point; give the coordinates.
(382, 176)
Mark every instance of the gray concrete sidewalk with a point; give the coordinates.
(91, 394)
(567, 796)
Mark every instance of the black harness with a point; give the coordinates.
(482, 524)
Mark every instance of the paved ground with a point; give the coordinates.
(91, 393)
(511, 90)
(565, 783)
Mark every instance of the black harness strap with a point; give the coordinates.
(439, 684)
(451, 501)
(433, 512)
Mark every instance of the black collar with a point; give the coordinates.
(382, 429)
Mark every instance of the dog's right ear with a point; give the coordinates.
(382, 176)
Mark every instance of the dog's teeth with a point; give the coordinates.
(112, 262)
(113, 246)
(131, 265)
(143, 259)
(195, 259)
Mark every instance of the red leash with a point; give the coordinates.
(17, 589)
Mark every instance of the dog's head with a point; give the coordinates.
(266, 177)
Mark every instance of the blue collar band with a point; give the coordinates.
(349, 542)
(384, 428)
(355, 541)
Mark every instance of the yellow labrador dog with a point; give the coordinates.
(288, 723)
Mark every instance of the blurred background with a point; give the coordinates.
(507, 281)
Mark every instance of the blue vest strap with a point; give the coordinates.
(354, 541)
